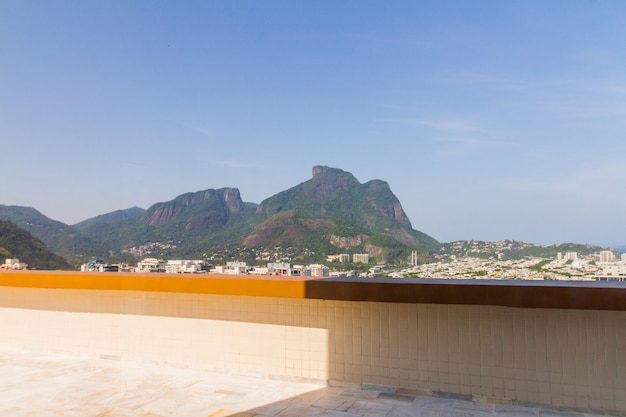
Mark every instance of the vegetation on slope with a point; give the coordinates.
(60, 238)
(18, 243)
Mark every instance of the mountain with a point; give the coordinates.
(198, 211)
(340, 213)
(333, 193)
(330, 213)
(185, 226)
(18, 243)
(60, 238)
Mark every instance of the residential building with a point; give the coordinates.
(316, 270)
(613, 270)
(284, 269)
(233, 268)
(13, 263)
(361, 257)
(607, 256)
(570, 256)
(184, 266)
(151, 265)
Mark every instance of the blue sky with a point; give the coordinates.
(489, 119)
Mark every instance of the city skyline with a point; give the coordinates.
(489, 120)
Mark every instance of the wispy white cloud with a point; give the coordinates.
(596, 186)
(202, 129)
(495, 81)
(453, 132)
(569, 83)
(238, 164)
(579, 96)
(462, 140)
(444, 125)
(461, 126)
(608, 84)
(377, 38)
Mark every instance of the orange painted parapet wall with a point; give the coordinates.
(520, 294)
(267, 286)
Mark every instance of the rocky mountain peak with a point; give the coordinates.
(319, 169)
(233, 201)
(336, 194)
(198, 209)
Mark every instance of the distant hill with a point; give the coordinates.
(328, 214)
(60, 238)
(18, 243)
(512, 249)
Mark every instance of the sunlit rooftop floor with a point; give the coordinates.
(47, 385)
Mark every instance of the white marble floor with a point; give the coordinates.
(55, 385)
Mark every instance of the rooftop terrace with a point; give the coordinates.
(556, 345)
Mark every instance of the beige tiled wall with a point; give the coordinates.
(570, 358)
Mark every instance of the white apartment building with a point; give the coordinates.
(184, 266)
(13, 263)
(607, 256)
(151, 265)
(361, 257)
(614, 270)
(570, 256)
(316, 270)
(284, 269)
(233, 268)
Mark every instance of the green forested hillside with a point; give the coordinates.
(18, 243)
(60, 238)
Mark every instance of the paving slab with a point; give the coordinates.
(61, 385)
